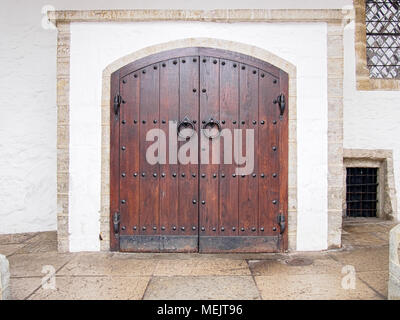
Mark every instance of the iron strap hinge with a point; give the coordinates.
(116, 220)
(282, 104)
(282, 223)
(117, 103)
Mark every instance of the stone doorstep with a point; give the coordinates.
(5, 293)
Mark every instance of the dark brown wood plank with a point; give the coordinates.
(169, 111)
(248, 186)
(129, 158)
(188, 219)
(209, 185)
(229, 112)
(149, 184)
(268, 158)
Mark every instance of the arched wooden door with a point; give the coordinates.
(199, 207)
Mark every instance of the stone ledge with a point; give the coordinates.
(5, 293)
(394, 264)
(218, 15)
(377, 84)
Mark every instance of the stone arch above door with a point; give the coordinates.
(241, 48)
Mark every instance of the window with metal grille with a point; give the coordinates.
(361, 192)
(383, 38)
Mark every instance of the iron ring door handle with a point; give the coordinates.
(184, 124)
(212, 123)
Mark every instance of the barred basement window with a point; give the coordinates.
(361, 192)
(383, 38)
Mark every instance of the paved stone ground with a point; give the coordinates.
(194, 276)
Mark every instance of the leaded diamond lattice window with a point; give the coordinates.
(383, 38)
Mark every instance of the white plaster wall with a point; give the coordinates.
(27, 121)
(371, 118)
(96, 45)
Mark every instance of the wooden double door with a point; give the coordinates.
(200, 206)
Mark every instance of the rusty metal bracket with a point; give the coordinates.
(116, 221)
(282, 104)
(282, 223)
(117, 103)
